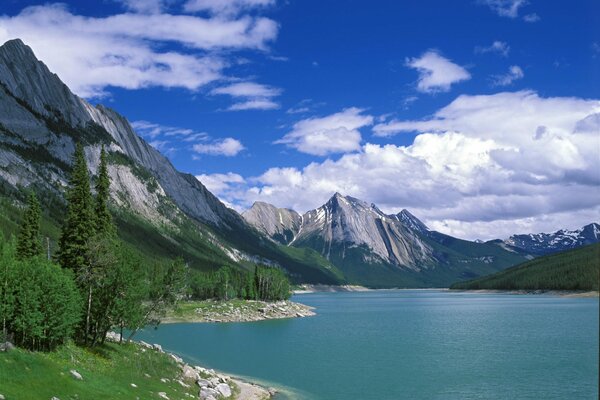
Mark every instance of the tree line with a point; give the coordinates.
(264, 283)
(95, 283)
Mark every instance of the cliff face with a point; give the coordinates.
(280, 224)
(37, 107)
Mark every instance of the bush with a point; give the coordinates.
(40, 303)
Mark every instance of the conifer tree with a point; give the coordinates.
(79, 225)
(29, 242)
(104, 222)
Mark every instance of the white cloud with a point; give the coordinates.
(151, 130)
(122, 50)
(482, 167)
(335, 133)
(224, 147)
(256, 104)
(533, 17)
(228, 7)
(514, 73)
(505, 8)
(247, 89)
(497, 46)
(436, 73)
(219, 183)
(258, 96)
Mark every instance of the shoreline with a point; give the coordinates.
(310, 288)
(212, 384)
(558, 293)
(213, 311)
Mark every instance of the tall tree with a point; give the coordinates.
(104, 222)
(29, 241)
(79, 225)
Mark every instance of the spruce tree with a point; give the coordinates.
(104, 223)
(79, 225)
(29, 241)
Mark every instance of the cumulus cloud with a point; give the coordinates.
(481, 167)
(498, 47)
(514, 73)
(256, 96)
(227, 7)
(124, 50)
(224, 147)
(220, 183)
(436, 73)
(335, 133)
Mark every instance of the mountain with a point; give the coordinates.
(281, 224)
(373, 248)
(577, 269)
(548, 243)
(160, 211)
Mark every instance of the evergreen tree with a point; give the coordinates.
(29, 241)
(104, 222)
(80, 222)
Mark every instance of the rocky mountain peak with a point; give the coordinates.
(410, 221)
(30, 80)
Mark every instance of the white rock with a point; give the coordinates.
(133, 385)
(163, 395)
(189, 373)
(224, 389)
(76, 375)
(1, 397)
(158, 348)
(178, 360)
(203, 383)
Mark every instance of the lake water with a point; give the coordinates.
(408, 344)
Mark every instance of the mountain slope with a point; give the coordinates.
(381, 250)
(280, 224)
(159, 209)
(577, 269)
(548, 243)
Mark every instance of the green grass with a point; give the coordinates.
(576, 270)
(108, 373)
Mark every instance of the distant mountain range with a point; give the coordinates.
(164, 213)
(562, 240)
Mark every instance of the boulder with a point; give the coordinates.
(208, 394)
(178, 360)
(189, 373)
(6, 346)
(133, 385)
(163, 395)
(224, 389)
(203, 383)
(76, 375)
(158, 348)
(1, 397)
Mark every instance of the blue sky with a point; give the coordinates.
(480, 116)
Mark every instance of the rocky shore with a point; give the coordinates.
(211, 384)
(330, 288)
(237, 311)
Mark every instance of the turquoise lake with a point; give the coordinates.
(408, 344)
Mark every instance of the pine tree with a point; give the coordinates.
(79, 225)
(104, 222)
(29, 242)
